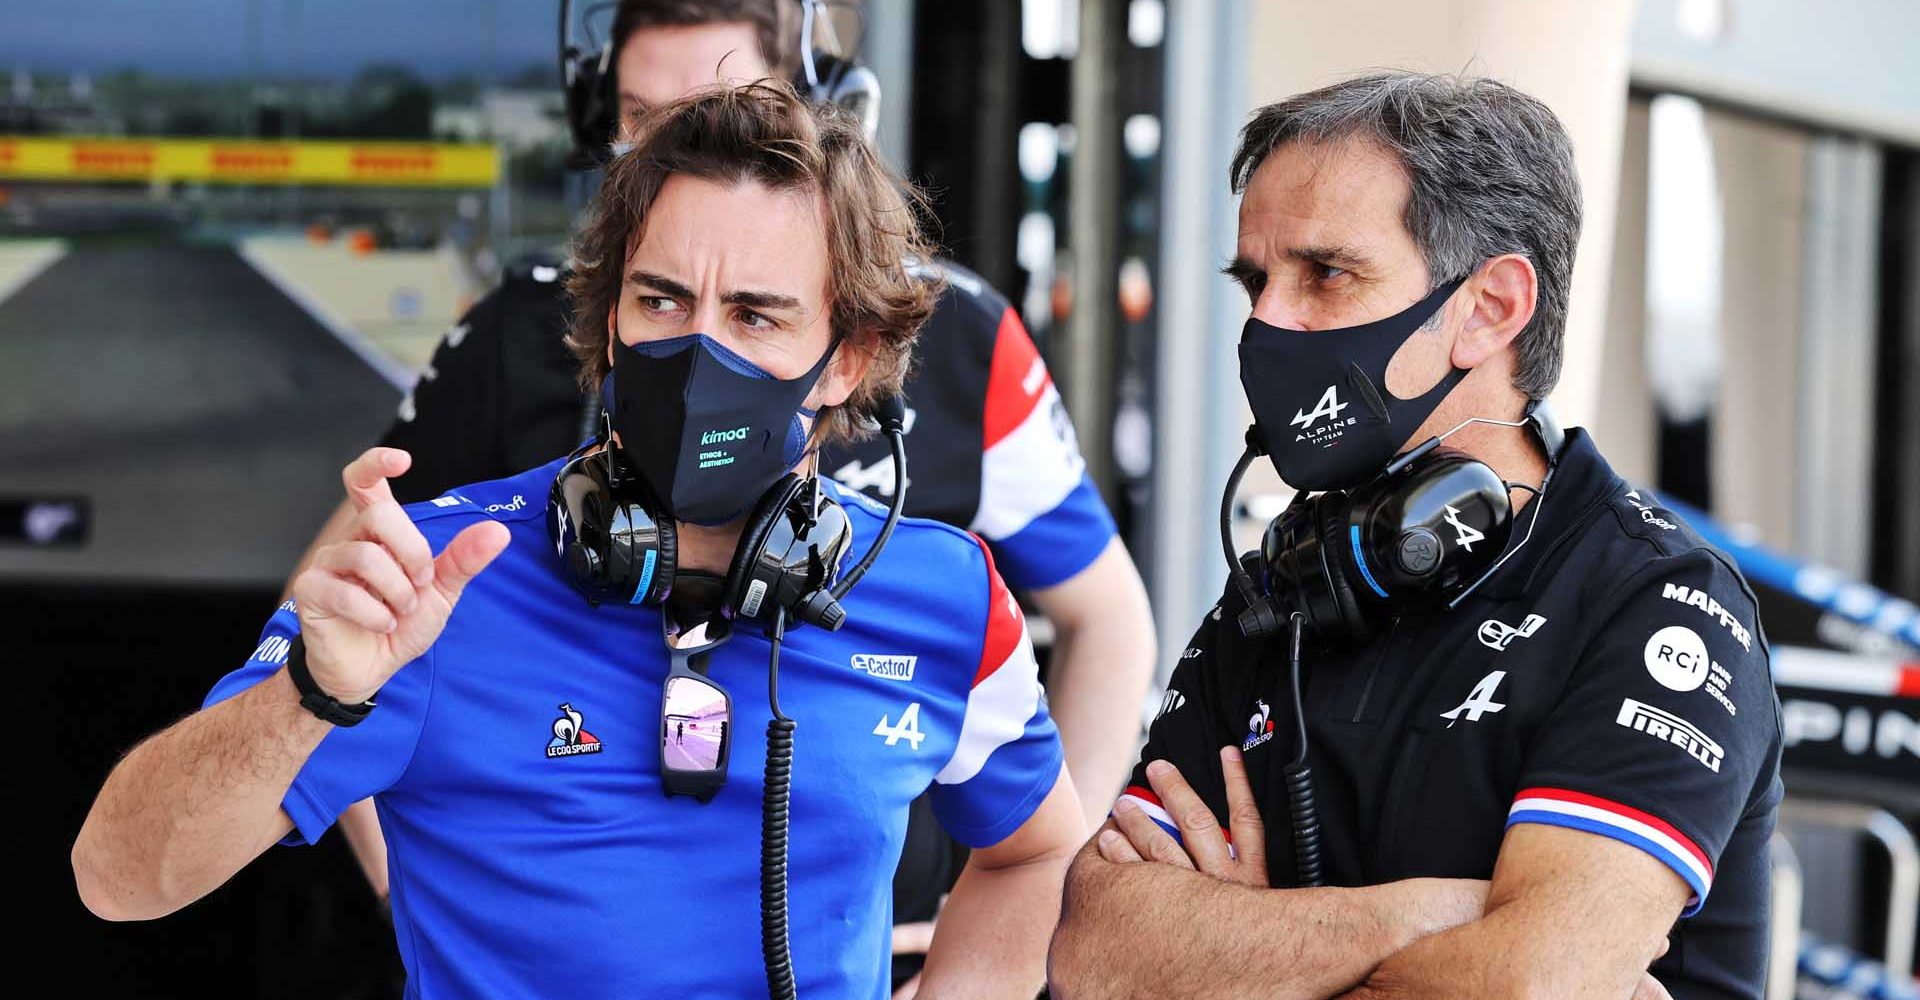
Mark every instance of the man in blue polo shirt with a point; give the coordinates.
(520, 745)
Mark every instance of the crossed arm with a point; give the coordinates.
(1567, 915)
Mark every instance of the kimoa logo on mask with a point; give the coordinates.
(719, 437)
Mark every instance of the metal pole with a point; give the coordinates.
(1195, 435)
(1094, 233)
(888, 49)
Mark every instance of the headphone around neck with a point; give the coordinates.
(1427, 531)
(593, 107)
(616, 546)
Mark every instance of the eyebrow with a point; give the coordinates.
(1342, 256)
(1243, 271)
(752, 299)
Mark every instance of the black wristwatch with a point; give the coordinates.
(321, 704)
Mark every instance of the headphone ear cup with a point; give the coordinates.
(1351, 621)
(772, 506)
(590, 108)
(667, 542)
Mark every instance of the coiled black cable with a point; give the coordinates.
(774, 802)
(1299, 777)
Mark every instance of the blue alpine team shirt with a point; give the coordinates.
(515, 767)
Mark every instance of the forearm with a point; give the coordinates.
(1098, 690)
(1154, 930)
(1512, 953)
(192, 805)
(1101, 667)
(361, 824)
(991, 939)
(1571, 916)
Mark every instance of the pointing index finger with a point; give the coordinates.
(366, 477)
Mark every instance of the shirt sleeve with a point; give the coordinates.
(1185, 732)
(1668, 731)
(1008, 755)
(1038, 509)
(351, 763)
(447, 420)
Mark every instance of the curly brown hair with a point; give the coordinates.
(878, 293)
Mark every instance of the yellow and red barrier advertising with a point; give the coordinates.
(250, 161)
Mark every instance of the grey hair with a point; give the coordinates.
(1490, 171)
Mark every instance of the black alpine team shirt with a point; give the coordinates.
(1612, 677)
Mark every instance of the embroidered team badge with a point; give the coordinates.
(568, 737)
(1259, 726)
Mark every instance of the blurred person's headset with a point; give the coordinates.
(1427, 531)
(587, 75)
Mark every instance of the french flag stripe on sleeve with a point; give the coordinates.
(1005, 695)
(1029, 466)
(1149, 803)
(1579, 811)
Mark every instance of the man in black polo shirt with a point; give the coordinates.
(1562, 787)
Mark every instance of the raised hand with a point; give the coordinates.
(371, 604)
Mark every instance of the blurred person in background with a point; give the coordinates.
(1564, 777)
(993, 449)
(742, 270)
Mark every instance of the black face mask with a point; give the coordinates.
(706, 429)
(1320, 403)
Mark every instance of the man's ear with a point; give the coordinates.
(845, 372)
(613, 330)
(1500, 301)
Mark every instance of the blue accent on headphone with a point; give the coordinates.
(1353, 532)
(646, 577)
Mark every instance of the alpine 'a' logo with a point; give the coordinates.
(1328, 407)
(1467, 533)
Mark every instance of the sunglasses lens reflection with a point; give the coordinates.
(696, 724)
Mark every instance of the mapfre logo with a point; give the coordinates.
(890, 668)
(1329, 408)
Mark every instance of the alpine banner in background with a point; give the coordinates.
(1846, 662)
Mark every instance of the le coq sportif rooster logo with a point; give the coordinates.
(568, 736)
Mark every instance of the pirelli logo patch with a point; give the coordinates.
(1667, 727)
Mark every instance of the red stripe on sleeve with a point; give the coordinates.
(1012, 390)
(1005, 623)
(1909, 681)
(1618, 809)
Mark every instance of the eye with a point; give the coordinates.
(657, 303)
(1326, 272)
(755, 321)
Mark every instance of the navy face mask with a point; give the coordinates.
(1320, 404)
(706, 429)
